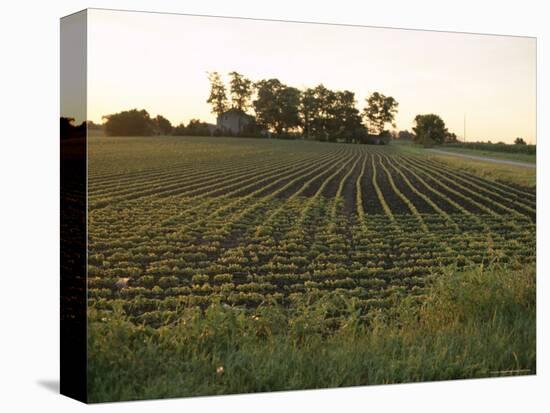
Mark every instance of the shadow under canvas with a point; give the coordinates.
(51, 385)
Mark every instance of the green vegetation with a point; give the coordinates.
(277, 106)
(316, 113)
(129, 123)
(241, 91)
(429, 130)
(499, 173)
(194, 128)
(300, 264)
(218, 94)
(518, 148)
(476, 323)
(380, 110)
(511, 156)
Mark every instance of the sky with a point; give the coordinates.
(159, 62)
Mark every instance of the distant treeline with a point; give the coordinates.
(519, 146)
(136, 122)
(286, 112)
(317, 113)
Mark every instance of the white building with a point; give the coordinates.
(234, 121)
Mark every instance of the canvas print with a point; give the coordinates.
(257, 206)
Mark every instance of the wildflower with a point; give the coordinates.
(219, 370)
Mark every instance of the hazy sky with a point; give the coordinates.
(159, 62)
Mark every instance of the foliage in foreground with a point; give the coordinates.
(476, 323)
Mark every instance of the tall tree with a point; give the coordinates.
(162, 125)
(308, 112)
(429, 129)
(346, 121)
(317, 112)
(289, 101)
(241, 91)
(380, 110)
(329, 115)
(324, 119)
(265, 106)
(277, 106)
(218, 94)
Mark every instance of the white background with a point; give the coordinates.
(29, 206)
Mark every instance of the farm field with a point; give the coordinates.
(226, 265)
(180, 222)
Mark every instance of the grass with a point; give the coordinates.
(525, 177)
(521, 176)
(519, 157)
(474, 323)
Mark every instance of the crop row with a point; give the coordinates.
(290, 220)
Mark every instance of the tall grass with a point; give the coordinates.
(475, 323)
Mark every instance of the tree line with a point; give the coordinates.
(283, 111)
(139, 123)
(317, 113)
(519, 146)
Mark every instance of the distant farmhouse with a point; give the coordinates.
(234, 122)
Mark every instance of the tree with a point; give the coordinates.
(405, 135)
(308, 111)
(179, 130)
(162, 125)
(429, 129)
(197, 128)
(519, 141)
(314, 103)
(265, 106)
(345, 119)
(317, 112)
(325, 98)
(129, 123)
(380, 110)
(277, 106)
(451, 138)
(218, 95)
(289, 101)
(329, 115)
(194, 128)
(241, 91)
